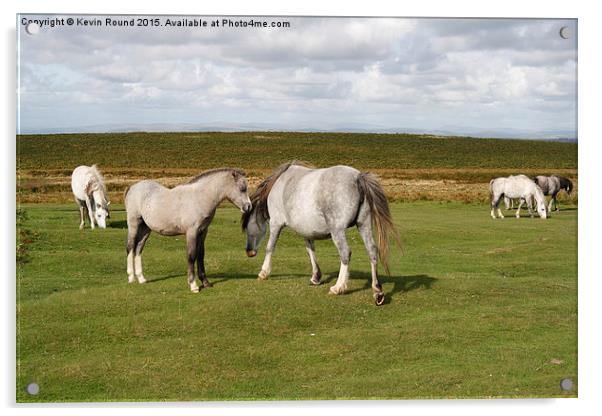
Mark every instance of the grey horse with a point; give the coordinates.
(552, 185)
(318, 204)
(519, 186)
(185, 209)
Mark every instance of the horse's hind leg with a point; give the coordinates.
(82, 208)
(191, 243)
(130, 247)
(316, 274)
(495, 206)
(143, 233)
(365, 230)
(200, 258)
(340, 241)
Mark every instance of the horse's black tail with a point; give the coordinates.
(381, 215)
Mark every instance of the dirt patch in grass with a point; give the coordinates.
(465, 185)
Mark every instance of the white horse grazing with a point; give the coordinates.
(521, 187)
(90, 194)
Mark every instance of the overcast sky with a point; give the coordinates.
(454, 75)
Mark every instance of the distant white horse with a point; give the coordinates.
(90, 194)
(521, 187)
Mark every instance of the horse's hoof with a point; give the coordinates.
(262, 276)
(195, 289)
(379, 298)
(207, 285)
(131, 279)
(141, 280)
(315, 282)
(334, 290)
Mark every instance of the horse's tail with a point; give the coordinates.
(381, 215)
(125, 192)
(491, 190)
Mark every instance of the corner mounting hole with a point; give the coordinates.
(33, 389)
(566, 384)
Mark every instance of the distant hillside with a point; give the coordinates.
(217, 126)
(263, 150)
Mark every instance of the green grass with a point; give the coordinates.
(258, 150)
(475, 308)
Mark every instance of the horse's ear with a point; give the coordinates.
(235, 174)
(108, 202)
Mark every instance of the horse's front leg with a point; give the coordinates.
(340, 241)
(316, 274)
(553, 203)
(90, 213)
(200, 259)
(191, 244)
(520, 204)
(530, 206)
(266, 267)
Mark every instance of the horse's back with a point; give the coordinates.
(313, 201)
(79, 179)
(138, 193)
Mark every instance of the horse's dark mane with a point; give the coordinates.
(217, 170)
(259, 198)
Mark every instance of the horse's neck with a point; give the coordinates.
(538, 195)
(212, 187)
(99, 196)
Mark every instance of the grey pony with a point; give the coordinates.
(185, 209)
(552, 185)
(318, 204)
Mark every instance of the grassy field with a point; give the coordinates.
(474, 308)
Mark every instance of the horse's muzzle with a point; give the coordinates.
(246, 207)
(251, 253)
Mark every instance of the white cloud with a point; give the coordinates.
(418, 73)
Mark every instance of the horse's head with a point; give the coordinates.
(237, 191)
(101, 208)
(255, 226)
(542, 211)
(101, 213)
(569, 187)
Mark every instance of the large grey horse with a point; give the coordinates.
(552, 185)
(185, 209)
(521, 187)
(318, 204)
